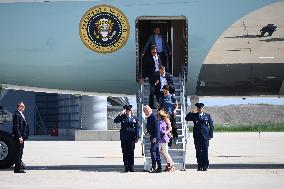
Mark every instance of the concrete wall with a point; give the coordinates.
(91, 135)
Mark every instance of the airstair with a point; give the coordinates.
(178, 148)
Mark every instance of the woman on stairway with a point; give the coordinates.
(165, 132)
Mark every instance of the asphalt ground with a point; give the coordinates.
(237, 160)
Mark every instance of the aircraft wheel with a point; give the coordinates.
(7, 151)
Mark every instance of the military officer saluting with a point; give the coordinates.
(129, 135)
(202, 133)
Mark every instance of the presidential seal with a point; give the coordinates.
(104, 29)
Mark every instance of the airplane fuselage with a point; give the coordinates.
(40, 43)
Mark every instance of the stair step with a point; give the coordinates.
(174, 147)
(177, 162)
(177, 150)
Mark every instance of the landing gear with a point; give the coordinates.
(7, 150)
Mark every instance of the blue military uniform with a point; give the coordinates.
(129, 134)
(202, 132)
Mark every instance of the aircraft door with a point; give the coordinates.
(174, 33)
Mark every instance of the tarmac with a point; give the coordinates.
(237, 160)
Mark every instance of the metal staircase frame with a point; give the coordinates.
(184, 130)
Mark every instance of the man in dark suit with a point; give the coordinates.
(164, 78)
(153, 129)
(21, 133)
(202, 133)
(129, 135)
(162, 46)
(150, 69)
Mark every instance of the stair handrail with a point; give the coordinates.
(183, 112)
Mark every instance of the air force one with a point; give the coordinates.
(218, 48)
(217, 45)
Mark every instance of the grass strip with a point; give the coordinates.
(275, 127)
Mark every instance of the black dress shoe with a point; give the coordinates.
(159, 170)
(131, 170)
(19, 171)
(23, 165)
(204, 169)
(199, 169)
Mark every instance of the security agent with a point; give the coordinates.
(129, 135)
(20, 131)
(202, 133)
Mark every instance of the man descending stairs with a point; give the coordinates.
(178, 148)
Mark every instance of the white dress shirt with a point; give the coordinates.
(22, 116)
(163, 81)
(156, 60)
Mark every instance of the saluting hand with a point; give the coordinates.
(154, 140)
(122, 112)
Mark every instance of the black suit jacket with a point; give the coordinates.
(153, 127)
(170, 82)
(148, 68)
(20, 126)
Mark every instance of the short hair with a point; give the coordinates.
(166, 87)
(162, 67)
(146, 107)
(19, 104)
(153, 47)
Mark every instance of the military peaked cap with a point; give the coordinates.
(127, 107)
(199, 105)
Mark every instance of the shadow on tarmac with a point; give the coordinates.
(140, 168)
